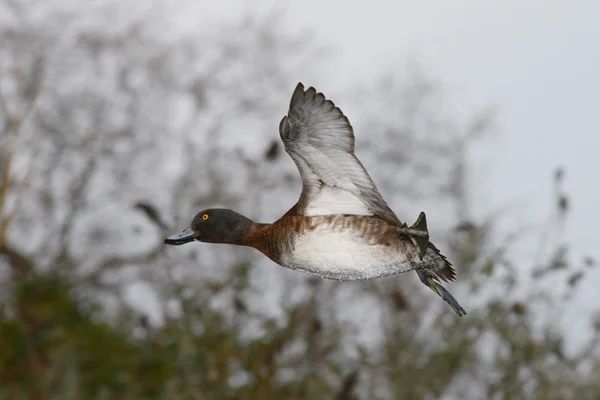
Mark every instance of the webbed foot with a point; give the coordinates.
(418, 234)
(427, 279)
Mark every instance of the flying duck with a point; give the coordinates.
(340, 228)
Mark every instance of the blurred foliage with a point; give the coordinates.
(55, 344)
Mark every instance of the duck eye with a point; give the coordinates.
(205, 217)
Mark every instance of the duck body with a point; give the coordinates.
(341, 227)
(340, 247)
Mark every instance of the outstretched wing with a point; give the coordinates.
(320, 140)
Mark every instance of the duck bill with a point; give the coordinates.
(183, 237)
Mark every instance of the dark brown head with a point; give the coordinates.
(217, 225)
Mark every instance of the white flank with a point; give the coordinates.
(344, 255)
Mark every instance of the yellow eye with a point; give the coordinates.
(205, 217)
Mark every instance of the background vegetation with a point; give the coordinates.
(113, 135)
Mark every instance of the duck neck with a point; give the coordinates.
(255, 234)
(238, 231)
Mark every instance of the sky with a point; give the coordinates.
(535, 62)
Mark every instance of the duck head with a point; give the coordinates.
(217, 225)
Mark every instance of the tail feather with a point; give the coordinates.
(446, 273)
(419, 236)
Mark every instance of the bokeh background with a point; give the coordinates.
(120, 120)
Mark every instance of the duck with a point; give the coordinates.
(341, 228)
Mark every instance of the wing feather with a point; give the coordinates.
(320, 139)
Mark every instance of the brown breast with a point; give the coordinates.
(275, 239)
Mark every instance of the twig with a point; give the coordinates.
(20, 193)
(77, 202)
(4, 107)
(14, 128)
(3, 194)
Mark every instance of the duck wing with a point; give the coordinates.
(320, 140)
